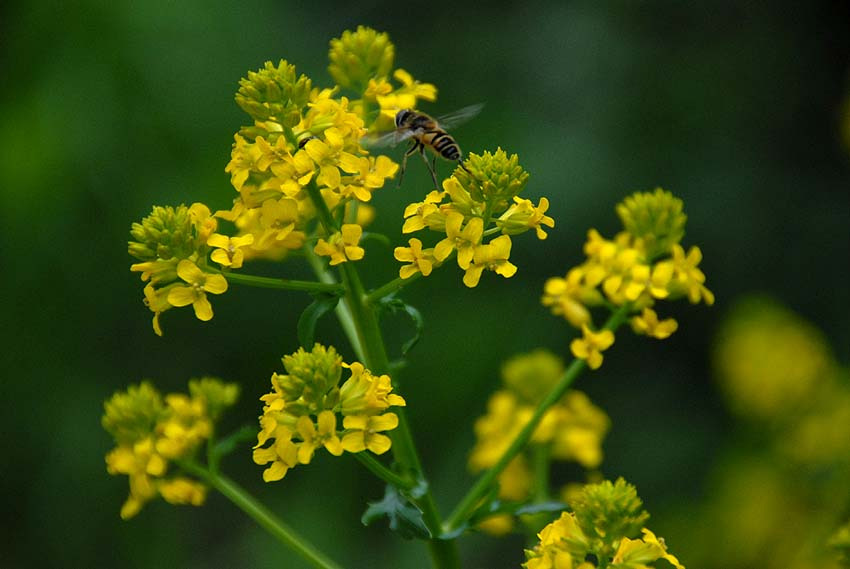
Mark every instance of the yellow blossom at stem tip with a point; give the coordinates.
(591, 346)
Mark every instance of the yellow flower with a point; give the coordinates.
(421, 261)
(229, 252)
(649, 325)
(364, 432)
(464, 241)
(366, 393)
(183, 491)
(425, 213)
(523, 215)
(200, 283)
(564, 296)
(591, 346)
(328, 155)
(282, 455)
(325, 436)
(562, 545)
(638, 552)
(186, 426)
(494, 257)
(406, 96)
(342, 247)
(370, 174)
(687, 278)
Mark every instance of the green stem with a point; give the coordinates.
(482, 486)
(384, 473)
(343, 310)
(385, 290)
(269, 282)
(540, 463)
(260, 514)
(367, 334)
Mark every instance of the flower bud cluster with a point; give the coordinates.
(641, 265)
(572, 429)
(301, 413)
(151, 432)
(481, 193)
(172, 245)
(600, 532)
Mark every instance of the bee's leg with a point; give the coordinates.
(410, 150)
(430, 168)
(460, 163)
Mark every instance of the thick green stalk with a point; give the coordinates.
(482, 486)
(367, 334)
(263, 516)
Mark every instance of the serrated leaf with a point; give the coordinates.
(321, 305)
(404, 517)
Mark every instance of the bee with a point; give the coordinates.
(426, 132)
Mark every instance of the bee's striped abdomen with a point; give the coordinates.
(442, 143)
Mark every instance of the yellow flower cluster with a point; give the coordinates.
(172, 246)
(151, 432)
(597, 534)
(572, 429)
(302, 139)
(300, 414)
(305, 137)
(642, 264)
(479, 200)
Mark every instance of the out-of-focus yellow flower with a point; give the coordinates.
(591, 346)
(648, 324)
(151, 432)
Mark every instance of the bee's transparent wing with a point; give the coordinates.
(391, 138)
(459, 117)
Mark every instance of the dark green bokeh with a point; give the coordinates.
(109, 108)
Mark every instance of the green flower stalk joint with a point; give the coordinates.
(304, 185)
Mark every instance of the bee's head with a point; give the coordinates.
(402, 116)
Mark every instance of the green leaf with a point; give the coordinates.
(321, 305)
(395, 305)
(405, 517)
(416, 316)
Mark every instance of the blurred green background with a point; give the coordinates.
(108, 108)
